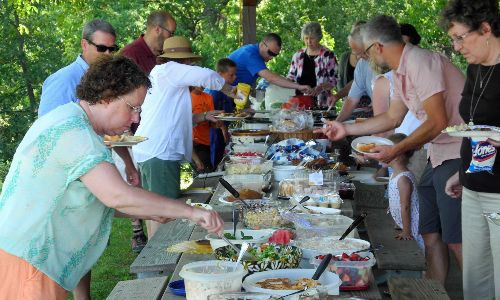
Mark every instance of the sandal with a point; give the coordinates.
(139, 242)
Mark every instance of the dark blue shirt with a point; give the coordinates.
(248, 63)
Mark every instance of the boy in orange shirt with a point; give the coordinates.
(201, 103)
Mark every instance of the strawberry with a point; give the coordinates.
(355, 257)
(346, 278)
(360, 283)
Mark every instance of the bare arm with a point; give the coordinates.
(405, 189)
(381, 99)
(349, 105)
(335, 130)
(383, 122)
(344, 91)
(105, 183)
(282, 81)
(340, 94)
(436, 121)
(133, 176)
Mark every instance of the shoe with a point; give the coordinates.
(138, 243)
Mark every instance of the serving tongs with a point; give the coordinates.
(300, 202)
(353, 225)
(233, 191)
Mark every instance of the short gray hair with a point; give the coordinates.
(97, 25)
(159, 17)
(312, 29)
(355, 34)
(384, 29)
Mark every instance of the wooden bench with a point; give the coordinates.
(416, 289)
(139, 289)
(396, 255)
(154, 260)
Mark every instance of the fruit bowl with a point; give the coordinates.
(270, 257)
(354, 270)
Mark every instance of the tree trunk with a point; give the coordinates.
(23, 61)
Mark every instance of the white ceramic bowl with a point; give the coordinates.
(368, 140)
(286, 172)
(259, 237)
(329, 281)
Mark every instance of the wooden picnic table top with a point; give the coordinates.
(226, 213)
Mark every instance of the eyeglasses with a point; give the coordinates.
(135, 109)
(368, 49)
(170, 32)
(269, 52)
(104, 48)
(459, 40)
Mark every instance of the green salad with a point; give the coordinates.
(229, 236)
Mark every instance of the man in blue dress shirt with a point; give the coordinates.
(98, 39)
(251, 63)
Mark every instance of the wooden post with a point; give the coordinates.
(248, 21)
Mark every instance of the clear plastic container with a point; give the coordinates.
(257, 148)
(256, 182)
(313, 226)
(205, 278)
(262, 215)
(248, 168)
(355, 275)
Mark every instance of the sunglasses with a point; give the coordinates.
(103, 48)
(269, 52)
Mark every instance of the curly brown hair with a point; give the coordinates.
(472, 13)
(110, 77)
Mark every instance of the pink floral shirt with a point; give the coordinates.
(325, 69)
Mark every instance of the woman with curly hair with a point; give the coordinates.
(62, 190)
(474, 29)
(315, 65)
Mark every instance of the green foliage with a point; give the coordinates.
(45, 36)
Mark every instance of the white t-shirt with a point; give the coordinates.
(166, 118)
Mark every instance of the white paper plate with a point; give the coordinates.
(231, 118)
(492, 133)
(330, 281)
(129, 141)
(370, 139)
(324, 210)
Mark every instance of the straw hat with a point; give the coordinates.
(178, 47)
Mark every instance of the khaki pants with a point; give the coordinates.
(481, 246)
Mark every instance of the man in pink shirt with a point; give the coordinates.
(427, 84)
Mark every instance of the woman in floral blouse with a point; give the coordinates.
(315, 65)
